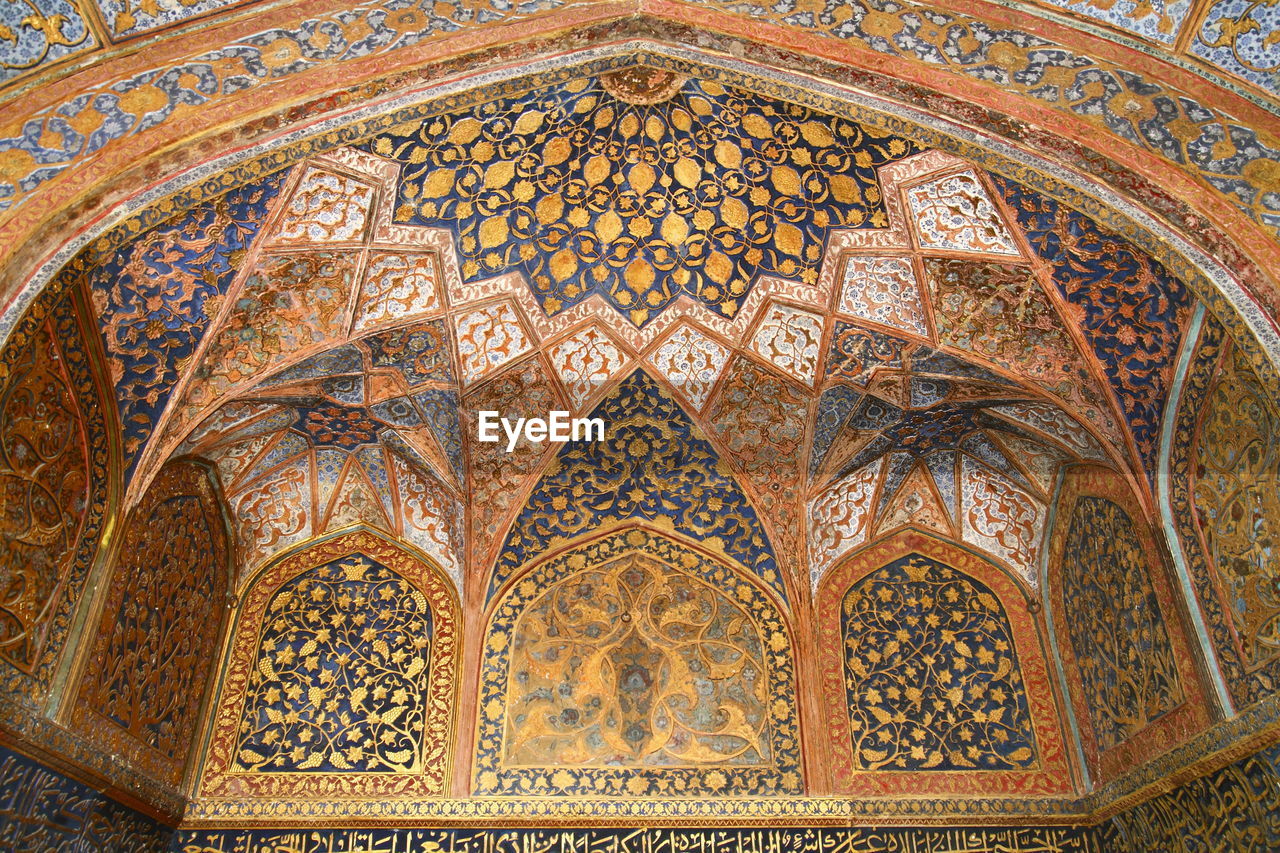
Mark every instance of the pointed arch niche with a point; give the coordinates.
(1118, 627)
(339, 681)
(933, 676)
(634, 664)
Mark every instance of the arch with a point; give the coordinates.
(295, 717)
(1222, 510)
(653, 465)
(1129, 668)
(961, 672)
(146, 677)
(148, 119)
(634, 665)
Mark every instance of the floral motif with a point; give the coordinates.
(639, 203)
(954, 212)
(44, 478)
(1237, 501)
(156, 296)
(398, 286)
(340, 680)
(1127, 666)
(142, 690)
(325, 207)
(691, 362)
(1132, 311)
(790, 340)
(932, 673)
(586, 362)
(635, 666)
(883, 290)
(651, 466)
(488, 338)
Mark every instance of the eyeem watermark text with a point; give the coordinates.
(557, 426)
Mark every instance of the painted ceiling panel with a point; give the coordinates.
(641, 189)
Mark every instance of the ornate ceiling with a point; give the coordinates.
(934, 348)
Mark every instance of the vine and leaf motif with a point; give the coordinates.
(641, 202)
(931, 673)
(340, 679)
(1132, 310)
(634, 664)
(1128, 669)
(1237, 499)
(1248, 30)
(159, 627)
(44, 492)
(35, 32)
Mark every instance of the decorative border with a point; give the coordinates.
(1208, 277)
(1175, 726)
(266, 794)
(1054, 776)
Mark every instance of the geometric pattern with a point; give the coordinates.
(609, 197)
(297, 471)
(939, 464)
(635, 666)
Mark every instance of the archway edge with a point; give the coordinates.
(136, 199)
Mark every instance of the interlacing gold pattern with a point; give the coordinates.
(932, 675)
(632, 663)
(340, 679)
(1237, 496)
(635, 666)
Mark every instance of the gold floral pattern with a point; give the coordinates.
(1127, 665)
(1237, 497)
(340, 680)
(932, 674)
(641, 201)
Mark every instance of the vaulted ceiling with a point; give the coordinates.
(912, 326)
